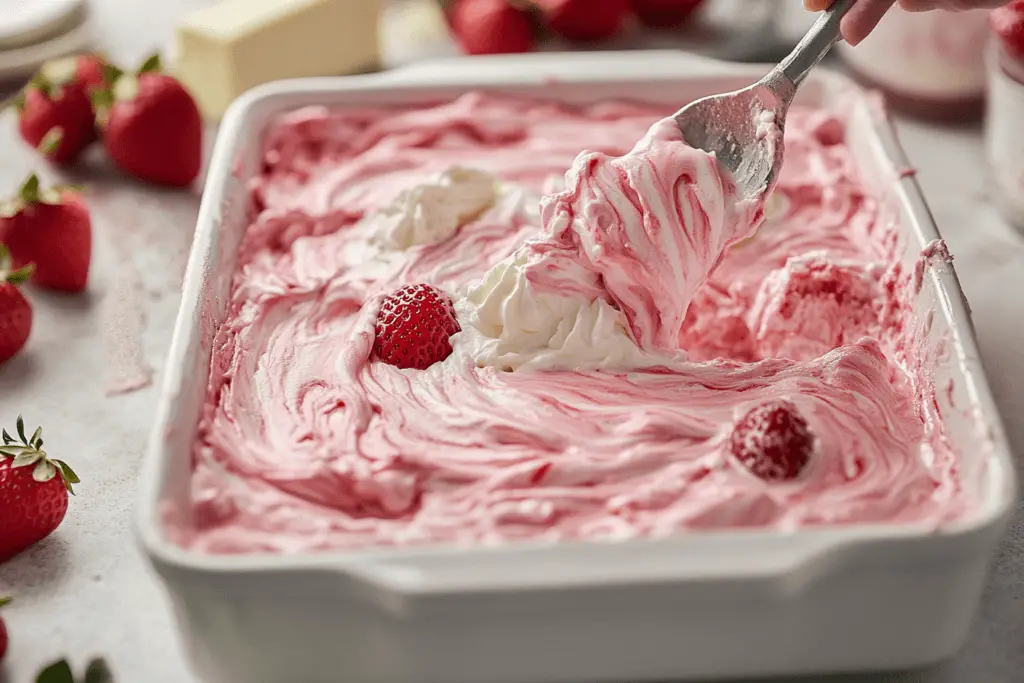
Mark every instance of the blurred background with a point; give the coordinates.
(941, 55)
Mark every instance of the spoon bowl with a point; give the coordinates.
(743, 129)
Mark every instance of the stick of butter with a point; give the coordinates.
(227, 48)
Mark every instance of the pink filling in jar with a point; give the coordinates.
(928, 64)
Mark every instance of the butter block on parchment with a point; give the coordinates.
(227, 48)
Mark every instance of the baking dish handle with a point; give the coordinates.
(773, 562)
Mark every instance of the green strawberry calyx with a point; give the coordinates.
(57, 74)
(60, 672)
(121, 87)
(32, 192)
(28, 452)
(42, 83)
(4, 602)
(8, 274)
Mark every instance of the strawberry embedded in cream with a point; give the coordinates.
(773, 441)
(413, 327)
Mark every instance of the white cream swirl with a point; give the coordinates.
(622, 251)
(433, 211)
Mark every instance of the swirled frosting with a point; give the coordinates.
(615, 323)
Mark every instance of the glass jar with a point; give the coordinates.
(928, 64)
(1004, 123)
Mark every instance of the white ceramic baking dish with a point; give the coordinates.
(698, 606)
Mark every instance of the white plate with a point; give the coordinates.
(26, 22)
(32, 33)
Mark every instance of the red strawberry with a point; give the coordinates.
(3, 630)
(773, 440)
(584, 20)
(52, 229)
(55, 113)
(664, 13)
(490, 27)
(151, 126)
(1008, 23)
(34, 491)
(94, 72)
(413, 327)
(15, 311)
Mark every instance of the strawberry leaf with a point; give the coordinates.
(42, 84)
(29, 191)
(21, 275)
(14, 450)
(67, 475)
(151, 65)
(20, 424)
(60, 72)
(98, 672)
(110, 73)
(51, 141)
(51, 195)
(19, 102)
(44, 471)
(58, 672)
(37, 437)
(102, 98)
(5, 259)
(11, 208)
(7, 438)
(27, 458)
(4, 602)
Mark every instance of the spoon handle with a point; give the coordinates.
(816, 44)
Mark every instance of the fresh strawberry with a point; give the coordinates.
(3, 629)
(1008, 23)
(664, 13)
(94, 71)
(584, 20)
(60, 672)
(55, 114)
(413, 327)
(773, 440)
(15, 311)
(52, 229)
(489, 27)
(151, 126)
(34, 491)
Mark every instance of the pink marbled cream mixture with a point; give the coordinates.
(307, 443)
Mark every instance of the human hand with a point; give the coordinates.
(866, 14)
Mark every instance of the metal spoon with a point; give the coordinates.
(729, 124)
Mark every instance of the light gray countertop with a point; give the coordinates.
(87, 590)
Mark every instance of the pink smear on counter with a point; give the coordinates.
(306, 443)
(124, 322)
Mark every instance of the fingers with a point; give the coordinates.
(921, 5)
(862, 18)
(866, 14)
(956, 5)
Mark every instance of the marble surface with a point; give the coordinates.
(87, 590)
